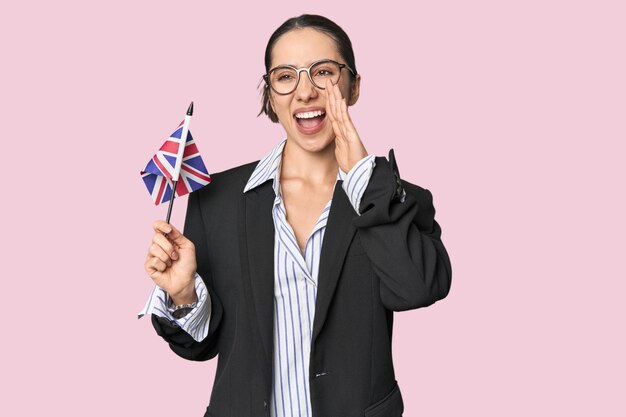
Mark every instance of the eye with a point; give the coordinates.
(325, 70)
(283, 76)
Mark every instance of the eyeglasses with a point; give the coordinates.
(284, 79)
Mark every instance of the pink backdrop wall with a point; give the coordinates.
(513, 110)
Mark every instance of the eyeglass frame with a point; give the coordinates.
(266, 77)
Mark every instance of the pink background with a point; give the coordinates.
(514, 112)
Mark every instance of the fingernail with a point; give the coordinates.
(174, 255)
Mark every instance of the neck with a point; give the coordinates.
(315, 167)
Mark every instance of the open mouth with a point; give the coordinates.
(310, 119)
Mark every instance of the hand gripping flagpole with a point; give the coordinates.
(179, 159)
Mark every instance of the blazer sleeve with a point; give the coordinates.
(180, 341)
(399, 233)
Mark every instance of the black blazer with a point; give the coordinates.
(390, 258)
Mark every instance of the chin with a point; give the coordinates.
(316, 143)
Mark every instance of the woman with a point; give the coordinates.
(291, 267)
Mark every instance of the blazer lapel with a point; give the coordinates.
(337, 238)
(256, 243)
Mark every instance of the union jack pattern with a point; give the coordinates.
(158, 174)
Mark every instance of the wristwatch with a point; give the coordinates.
(178, 312)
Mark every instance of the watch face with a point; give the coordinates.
(180, 313)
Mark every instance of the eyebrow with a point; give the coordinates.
(305, 66)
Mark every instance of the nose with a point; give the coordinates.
(305, 90)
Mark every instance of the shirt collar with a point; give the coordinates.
(268, 168)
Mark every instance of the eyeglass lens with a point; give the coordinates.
(285, 80)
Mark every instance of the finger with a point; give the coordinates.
(347, 121)
(337, 91)
(161, 226)
(155, 265)
(330, 100)
(158, 252)
(179, 239)
(173, 234)
(165, 244)
(336, 98)
(339, 139)
(332, 112)
(148, 265)
(344, 117)
(338, 101)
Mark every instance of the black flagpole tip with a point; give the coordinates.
(190, 110)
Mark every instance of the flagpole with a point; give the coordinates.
(179, 159)
(169, 207)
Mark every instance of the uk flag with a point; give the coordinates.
(158, 174)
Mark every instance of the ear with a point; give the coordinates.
(355, 89)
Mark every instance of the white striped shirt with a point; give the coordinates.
(195, 323)
(295, 288)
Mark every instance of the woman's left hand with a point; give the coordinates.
(348, 146)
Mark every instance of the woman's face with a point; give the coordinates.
(300, 48)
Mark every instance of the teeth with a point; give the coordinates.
(309, 114)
